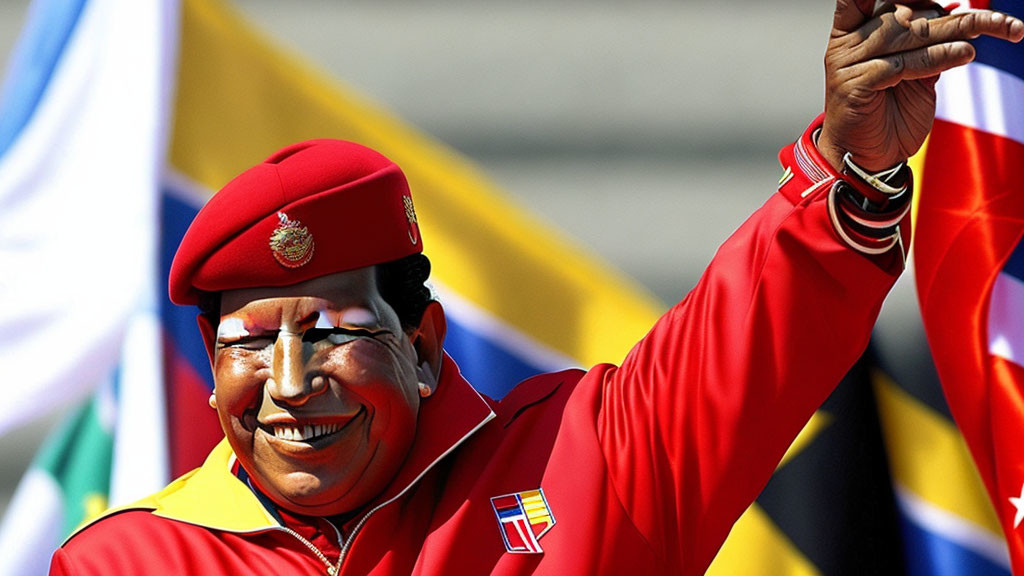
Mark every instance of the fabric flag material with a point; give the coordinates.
(68, 482)
(946, 524)
(82, 140)
(77, 208)
(534, 303)
(970, 264)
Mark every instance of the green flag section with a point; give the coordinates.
(78, 457)
(67, 484)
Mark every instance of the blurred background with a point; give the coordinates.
(646, 130)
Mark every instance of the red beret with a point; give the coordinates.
(311, 209)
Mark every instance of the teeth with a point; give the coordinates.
(306, 432)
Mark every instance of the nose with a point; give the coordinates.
(293, 382)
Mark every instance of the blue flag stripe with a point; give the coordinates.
(1000, 54)
(492, 369)
(1015, 265)
(928, 554)
(48, 27)
(179, 321)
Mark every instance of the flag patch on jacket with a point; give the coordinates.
(523, 518)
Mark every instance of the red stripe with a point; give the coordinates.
(1006, 408)
(516, 542)
(505, 502)
(971, 217)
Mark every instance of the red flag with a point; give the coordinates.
(970, 264)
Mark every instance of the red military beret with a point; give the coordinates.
(311, 209)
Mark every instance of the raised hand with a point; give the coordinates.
(880, 74)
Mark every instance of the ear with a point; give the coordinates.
(209, 334)
(428, 339)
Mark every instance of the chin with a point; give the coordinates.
(306, 494)
(318, 504)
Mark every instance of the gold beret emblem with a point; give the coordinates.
(410, 215)
(291, 243)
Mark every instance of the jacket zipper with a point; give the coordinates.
(332, 569)
(355, 530)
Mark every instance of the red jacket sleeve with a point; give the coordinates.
(701, 411)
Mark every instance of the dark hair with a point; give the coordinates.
(402, 284)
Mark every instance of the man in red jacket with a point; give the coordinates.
(354, 446)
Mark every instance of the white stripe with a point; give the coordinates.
(953, 528)
(518, 521)
(804, 162)
(1006, 319)
(32, 527)
(78, 211)
(486, 325)
(817, 186)
(140, 464)
(984, 98)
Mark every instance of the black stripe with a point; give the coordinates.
(834, 499)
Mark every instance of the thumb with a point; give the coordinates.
(850, 14)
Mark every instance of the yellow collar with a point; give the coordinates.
(213, 497)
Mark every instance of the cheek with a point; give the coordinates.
(368, 364)
(382, 374)
(238, 381)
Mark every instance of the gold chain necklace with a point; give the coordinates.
(332, 569)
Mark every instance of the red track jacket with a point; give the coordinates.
(636, 469)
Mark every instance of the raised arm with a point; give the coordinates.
(695, 420)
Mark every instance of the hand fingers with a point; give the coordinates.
(851, 14)
(974, 23)
(905, 30)
(927, 62)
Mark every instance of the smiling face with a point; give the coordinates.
(316, 389)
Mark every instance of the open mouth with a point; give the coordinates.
(309, 433)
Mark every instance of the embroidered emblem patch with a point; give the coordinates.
(410, 215)
(523, 518)
(291, 243)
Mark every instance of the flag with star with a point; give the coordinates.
(970, 264)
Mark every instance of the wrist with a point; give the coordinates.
(828, 150)
(867, 209)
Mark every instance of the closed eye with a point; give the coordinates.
(255, 342)
(338, 336)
